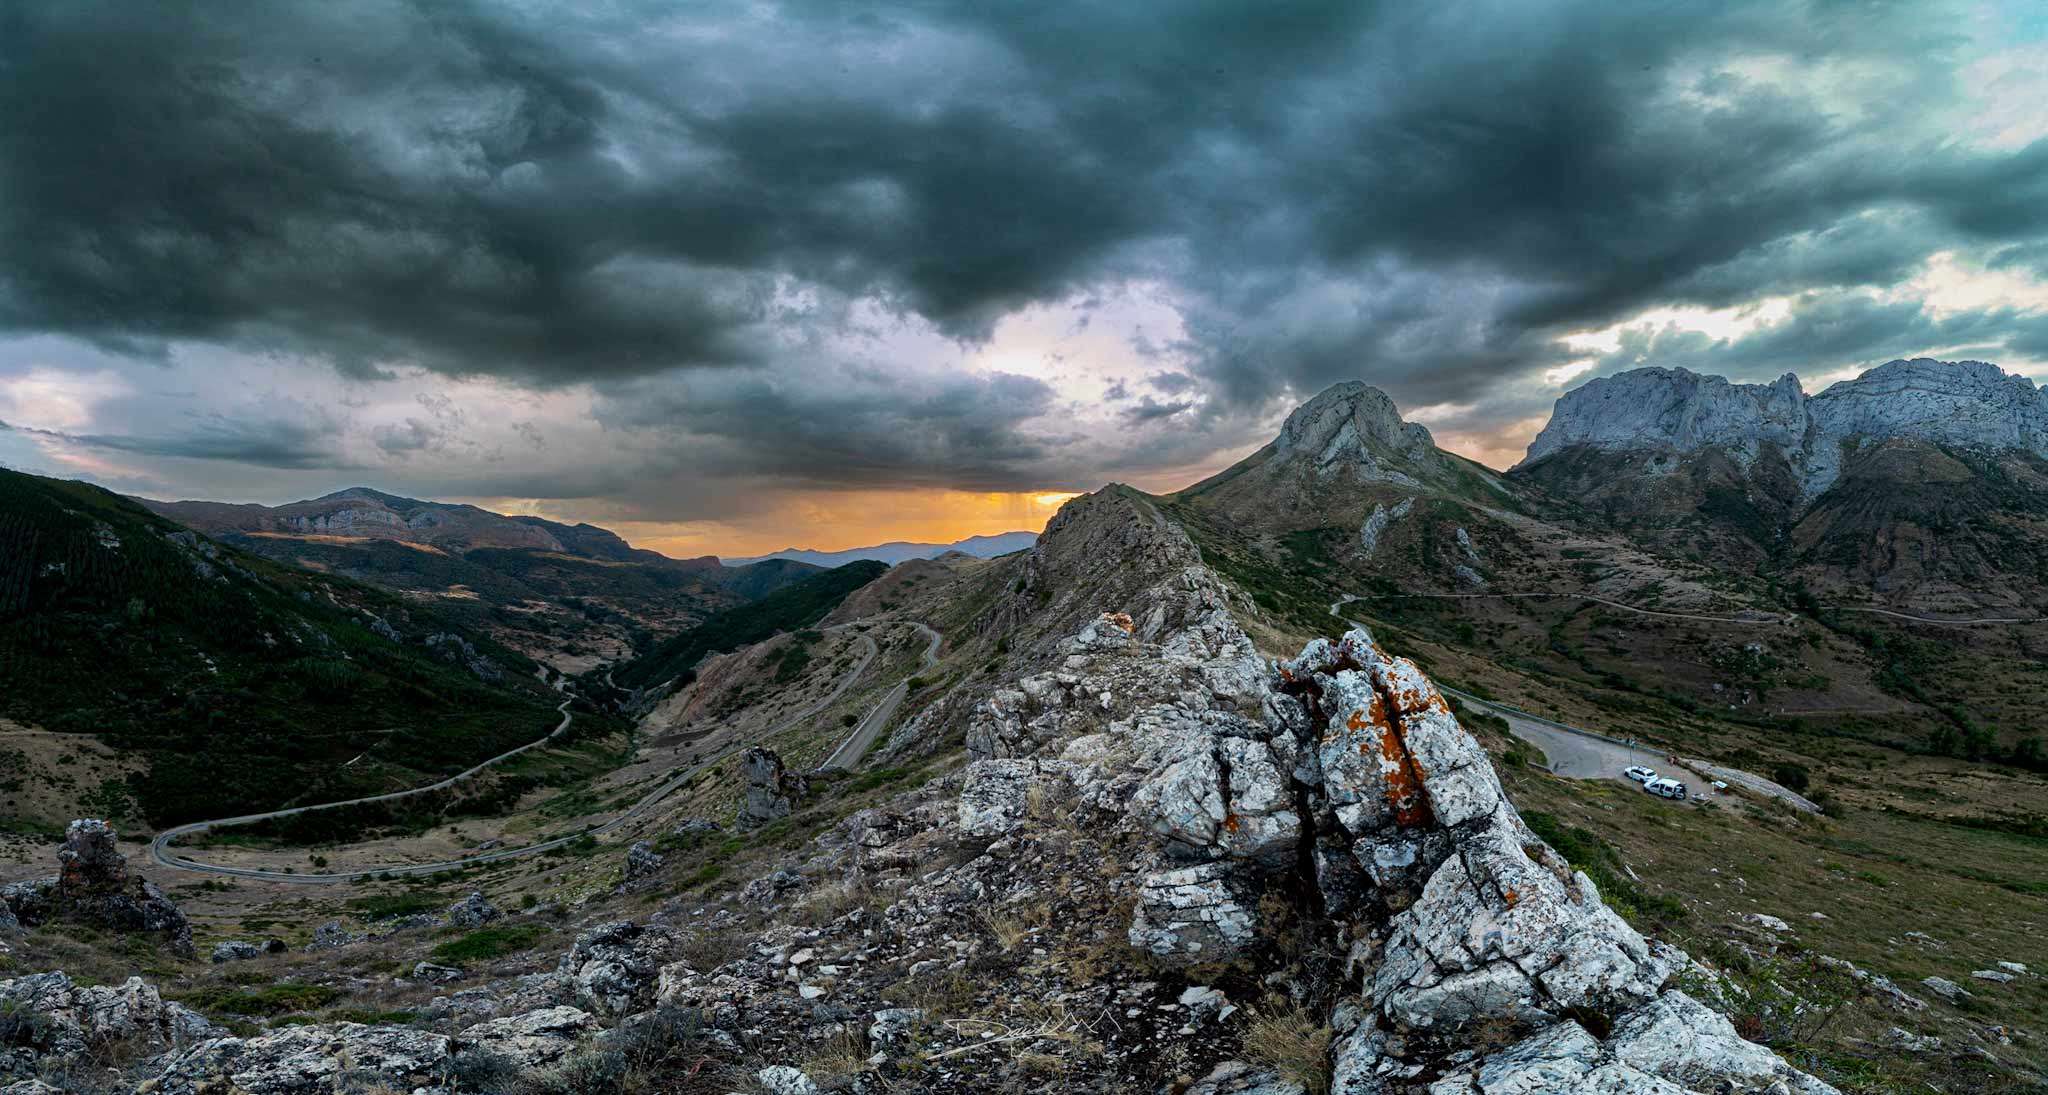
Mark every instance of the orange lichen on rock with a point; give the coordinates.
(1405, 797)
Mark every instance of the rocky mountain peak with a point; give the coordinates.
(1659, 409)
(1352, 424)
(1969, 404)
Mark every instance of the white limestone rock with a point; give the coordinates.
(1191, 913)
(995, 795)
(1657, 409)
(1969, 404)
(1354, 430)
(306, 1059)
(532, 1039)
(613, 968)
(70, 1018)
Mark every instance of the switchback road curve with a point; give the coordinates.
(160, 848)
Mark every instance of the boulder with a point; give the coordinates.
(308, 1060)
(1946, 989)
(234, 950)
(66, 1019)
(642, 861)
(772, 791)
(530, 1040)
(784, 1080)
(435, 973)
(473, 911)
(330, 935)
(614, 968)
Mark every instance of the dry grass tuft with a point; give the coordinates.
(1294, 1043)
(1008, 929)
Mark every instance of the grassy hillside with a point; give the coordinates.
(241, 684)
(787, 609)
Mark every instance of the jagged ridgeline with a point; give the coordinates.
(228, 683)
(794, 606)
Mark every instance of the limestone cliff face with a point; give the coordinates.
(1967, 404)
(1355, 428)
(1676, 409)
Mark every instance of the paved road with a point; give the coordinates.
(1577, 753)
(1567, 751)
(1951, 623)
(160, 847)
(1753, 619)
(847, 756)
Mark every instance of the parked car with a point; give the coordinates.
(1665, 787)
(1639, 773)
(1719, 786)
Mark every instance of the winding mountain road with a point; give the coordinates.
(1950, 623)
(1749, 618)
(857, 743)
(160, 847)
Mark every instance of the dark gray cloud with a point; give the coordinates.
(263, 443)
(683, 204)
(1834, 328)
(857, 427)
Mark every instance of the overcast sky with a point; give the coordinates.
(728, 277)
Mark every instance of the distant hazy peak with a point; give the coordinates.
(898, 551)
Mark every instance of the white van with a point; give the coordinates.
(1665, 787)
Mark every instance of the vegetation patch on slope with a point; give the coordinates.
(790, 608)
(244, 684)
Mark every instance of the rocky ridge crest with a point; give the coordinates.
(1147, 795)
(1968, 404)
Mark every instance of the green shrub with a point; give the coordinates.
(1598, 859)
(484, 944)
(283, 998)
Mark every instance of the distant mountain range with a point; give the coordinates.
(566, 594)
(897, 551)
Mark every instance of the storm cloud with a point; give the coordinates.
(779, 240)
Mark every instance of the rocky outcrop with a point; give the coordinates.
(613, 968)
(771, 789)
(52, 1020)
(1965, 404)
(241, 950)
(1340, 784)
(302, 1060)
(642, 861)
(473, 911)
(1970, 404)
(1376, 522)
(530, 1041)
(93, 886)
